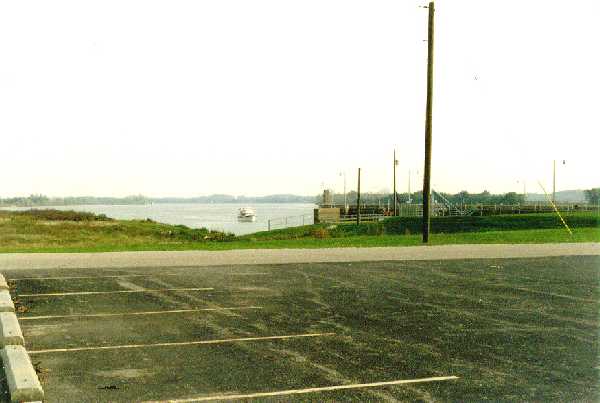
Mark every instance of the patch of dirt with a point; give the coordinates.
(41, 372)
(254, 289)
(43, 330)
(126, 373)
(20, 308)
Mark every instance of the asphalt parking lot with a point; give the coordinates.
(273, 331)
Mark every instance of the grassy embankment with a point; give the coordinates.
(59, 231)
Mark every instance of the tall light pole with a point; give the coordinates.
(524, 191)
(554, 181)
(358, 200)
(395, 196)
(345, 196)
(428, 119)
(409, 198)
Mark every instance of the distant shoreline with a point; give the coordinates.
(40, 200)
(44, 206)
(43, 201)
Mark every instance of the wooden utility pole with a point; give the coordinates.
(554, 181)
(395, 199)
(358, 200)
(428, 113)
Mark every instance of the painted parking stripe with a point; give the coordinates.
(307, 390)
(92, 277)
(126, 275)
(184, 343)
(56, 294)
(101, 315)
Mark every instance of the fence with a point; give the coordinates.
(438, 209)
(376, 213)
(290, 221)
(497, 209)
(363, 217)
(411, 210)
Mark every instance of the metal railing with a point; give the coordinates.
(363, 217)
(495, 209)
(453, 209)
(290, 221)
(439, 209)
(448, 209)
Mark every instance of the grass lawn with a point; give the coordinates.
(510, 237)
(510, 329)
(45, 232)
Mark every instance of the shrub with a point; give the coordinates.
(219, 236)
(368, 228)
(321, 233)
(374, 229)
(62, 215)
(453, 224)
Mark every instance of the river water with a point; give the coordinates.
(215, 216)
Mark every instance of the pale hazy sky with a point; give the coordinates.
(184, 98)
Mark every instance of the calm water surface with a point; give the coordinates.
(215, 216)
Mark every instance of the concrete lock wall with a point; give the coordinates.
(327, 214)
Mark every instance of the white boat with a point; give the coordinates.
(247, 214)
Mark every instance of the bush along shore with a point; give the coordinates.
(439, 225)
(39, 229)
(71, 231)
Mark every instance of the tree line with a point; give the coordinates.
(592, 196)
(39, 200)
(461, 198)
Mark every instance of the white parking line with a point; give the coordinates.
(55, 294)
(100, 315)
(92, 277)
(185, 343)
(126, 275)
(307, 390)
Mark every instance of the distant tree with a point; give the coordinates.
(592, 196)
(484, 197)
(36, 199)
(463, 197)
(402, 197)
(417, 197)
(513, 198)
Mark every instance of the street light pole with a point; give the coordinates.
(409, 194)
(554, 181)
(345, 196)
(395, 197)
(358, 200)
